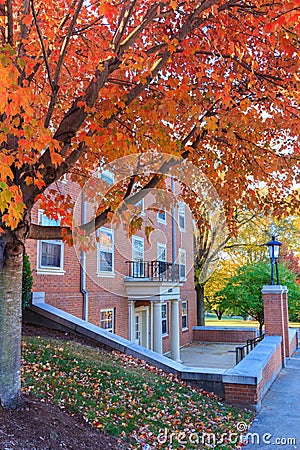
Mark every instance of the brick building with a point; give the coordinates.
(141, 289)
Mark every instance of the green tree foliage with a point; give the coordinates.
(243, 290)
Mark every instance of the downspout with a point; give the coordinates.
(84, 292)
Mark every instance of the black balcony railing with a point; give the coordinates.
(244, 350)
(153, 270)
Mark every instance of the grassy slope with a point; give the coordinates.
(127, 397)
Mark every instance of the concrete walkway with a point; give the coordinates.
(277, 425)
(209, 354)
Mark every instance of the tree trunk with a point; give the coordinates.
(219, 314)
(11, 264)
(200, 304)
(261, 324)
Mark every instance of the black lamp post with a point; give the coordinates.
(273, 248)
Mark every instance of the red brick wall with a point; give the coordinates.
(276, 317)
(223, 335)
(248, 395)
(244, 395)
(63, 291)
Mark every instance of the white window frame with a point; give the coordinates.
(106, 273)
(181, 214)
(50, 270)
(184, 315)
(112, 311)
(142, 240)
(160, 219)
(181, 251)
(164, 306)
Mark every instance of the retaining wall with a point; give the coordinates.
(244, 385)
(223, 334)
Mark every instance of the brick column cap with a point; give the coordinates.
(274, 289)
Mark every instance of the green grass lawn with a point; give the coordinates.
(126, 397)
(233, 322)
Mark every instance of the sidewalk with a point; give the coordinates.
(277, 425)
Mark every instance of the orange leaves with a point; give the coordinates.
(211, 123)
(5, 170)
(174, 4)
(12, 206)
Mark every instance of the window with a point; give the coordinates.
(182, 263)
(105, 254)
(140, 207)
(164, 319)
(50, 252)
(161, 258)
(184, 316)
(181, 216)
(107, 176)
(138, 256)
(107, 319)
(162, 216)
(161, 252)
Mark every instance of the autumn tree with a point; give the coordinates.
(244, 246)
(213, 82)
(210, 241)
(243, 290)
(219, 304)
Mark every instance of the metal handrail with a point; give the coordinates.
(244, 350)
(154, 270)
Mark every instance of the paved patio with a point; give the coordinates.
(209, 354)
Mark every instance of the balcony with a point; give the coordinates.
(154, 271)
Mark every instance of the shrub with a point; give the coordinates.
(27, 281)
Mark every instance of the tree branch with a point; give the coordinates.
(42, 45)
(63, 50)
(10, 23)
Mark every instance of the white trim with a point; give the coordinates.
(181, 213)
(165, 319)
(108, 273)
(163, 247)
(48, 270)
(183, 252)
(184, 315)
(139, 272)
(139, 310)
(110, 330)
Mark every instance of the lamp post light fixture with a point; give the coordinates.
(274, 248)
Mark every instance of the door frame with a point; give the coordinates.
(145, 324)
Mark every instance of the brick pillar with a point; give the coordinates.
(276, 315)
